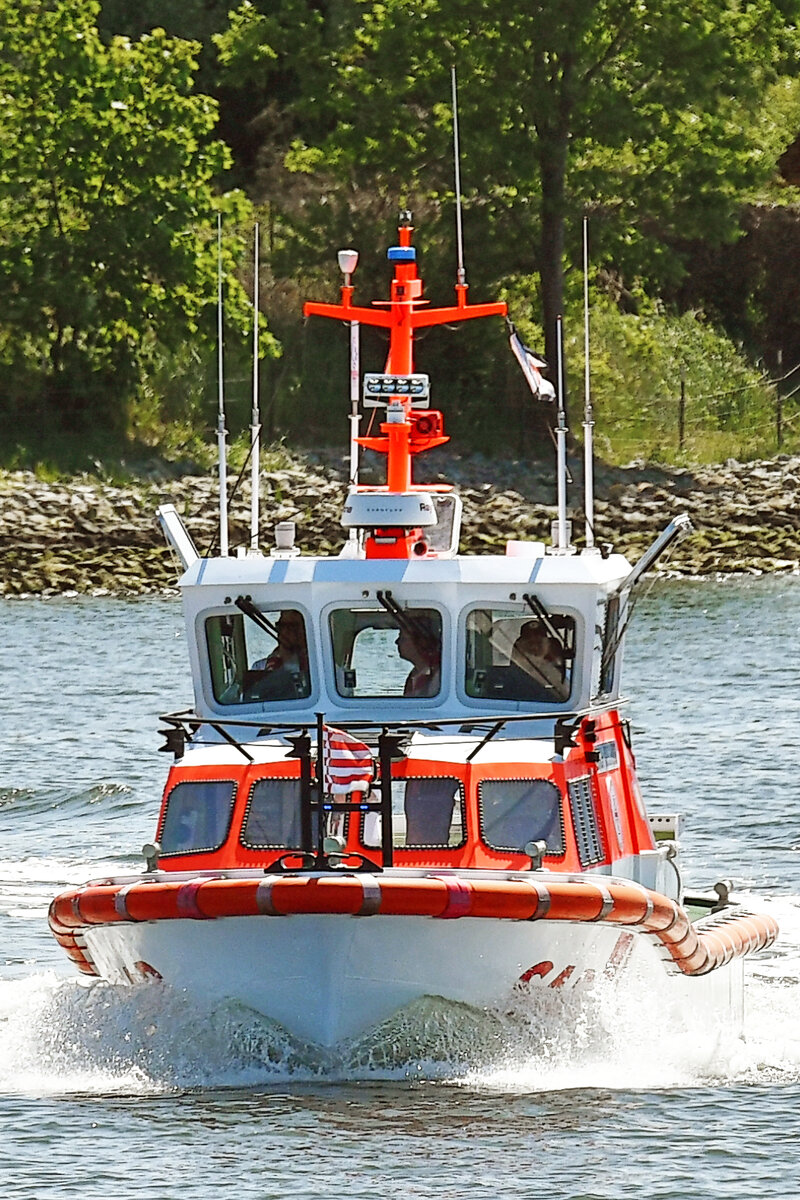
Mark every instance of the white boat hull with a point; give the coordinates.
(327, 978)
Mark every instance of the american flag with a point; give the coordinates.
(347, 764)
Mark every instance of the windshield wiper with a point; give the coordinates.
(245, 604)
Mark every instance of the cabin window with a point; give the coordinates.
(258, 656)
(513, 655)
(612, 635)
(381, 652)
(198, 816)
(273, 819)
(514, 812)
(426, 812)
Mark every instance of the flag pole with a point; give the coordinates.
(320, 788)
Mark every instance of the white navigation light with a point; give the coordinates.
(379, 389)
(348, 261)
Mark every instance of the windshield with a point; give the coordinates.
(258, 656)
(513, 655)
(394, 653)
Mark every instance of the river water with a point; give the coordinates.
(105, 1094)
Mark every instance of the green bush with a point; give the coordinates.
(641, 362)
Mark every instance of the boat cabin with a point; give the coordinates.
(360, 640)
(484, 687)
(455, 801)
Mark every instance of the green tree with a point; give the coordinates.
(107, 206)
(637, 112)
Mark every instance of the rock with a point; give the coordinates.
(92, 537)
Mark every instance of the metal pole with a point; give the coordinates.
(385, 760)
(222, 432)
(779, 403)
(255, 420)
(320, 787)
(355, 379)
(682, 410)
(588, 421)
(461, 275)
(355, 417)
(561, 443)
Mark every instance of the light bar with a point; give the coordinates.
(379, 389)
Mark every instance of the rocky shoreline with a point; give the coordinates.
(87, 536)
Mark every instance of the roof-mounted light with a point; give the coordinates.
(402, 254)
(348, 261)
(380, 388)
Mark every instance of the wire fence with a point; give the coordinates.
(757, 417)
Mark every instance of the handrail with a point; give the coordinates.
(189, 716)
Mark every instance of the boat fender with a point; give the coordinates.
(371, 902)
(264, 899)
(607, 905)
(542, 900)
(186, 901)
(459, 897)
(121, 901)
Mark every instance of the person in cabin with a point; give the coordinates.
(291, 651)
(538, 659)
(283, 674)
(419, 645)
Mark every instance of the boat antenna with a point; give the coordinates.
(222, 432)
(461, 275)
(562, 538)
(255, 420)
(588, 420)
(348, 261)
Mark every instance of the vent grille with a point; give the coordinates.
(584, 820)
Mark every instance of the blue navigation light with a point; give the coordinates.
(402, 254)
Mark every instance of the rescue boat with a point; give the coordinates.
(406, 774)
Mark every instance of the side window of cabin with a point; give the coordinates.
(264, 660)
(377, 653)
(273, 819)
(514, 812)
(197, 817)
(512, 655)
(611, 640)
(426, 812)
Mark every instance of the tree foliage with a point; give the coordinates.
(640, 113)
(107, 205)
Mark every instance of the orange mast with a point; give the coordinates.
(404, 433)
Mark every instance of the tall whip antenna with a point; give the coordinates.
(562, 533)
(222, 432)
(255, 420)
(461, 274)
(588, 420)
